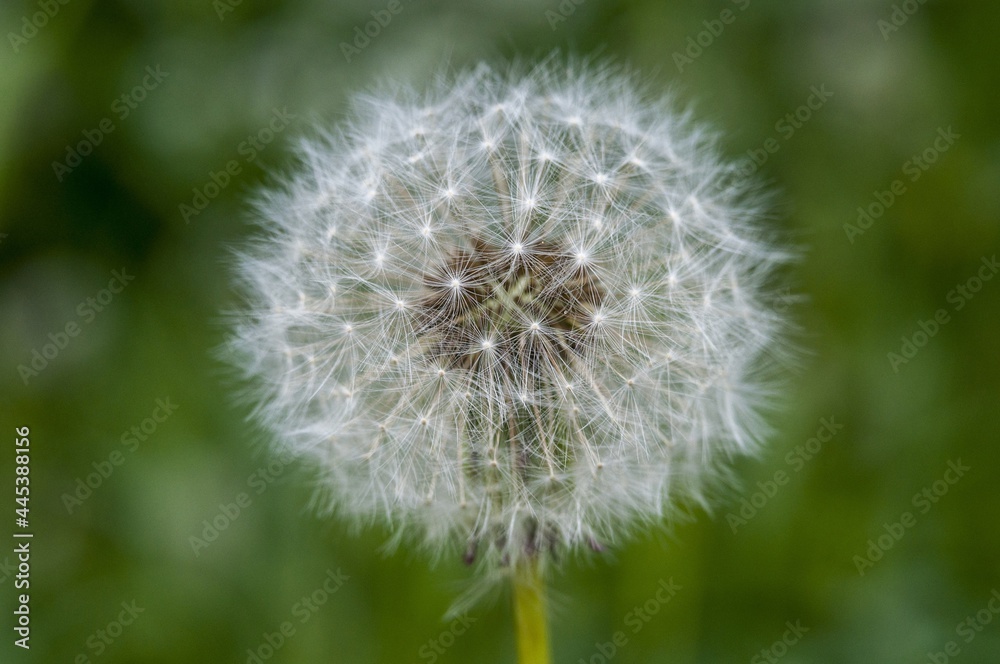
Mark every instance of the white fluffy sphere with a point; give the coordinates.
(511, 315)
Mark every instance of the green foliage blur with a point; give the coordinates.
(188, 88)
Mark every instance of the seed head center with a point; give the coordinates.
(531, 303)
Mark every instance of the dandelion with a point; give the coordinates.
(514, 317)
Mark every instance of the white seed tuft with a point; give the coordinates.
(469, 301)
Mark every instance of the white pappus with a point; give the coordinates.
(518, 314)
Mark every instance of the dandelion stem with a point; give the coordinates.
(530, 618)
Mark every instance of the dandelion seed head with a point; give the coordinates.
(527, 315)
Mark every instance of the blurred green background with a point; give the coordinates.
(225, 67)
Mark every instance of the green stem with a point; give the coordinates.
(530, 619)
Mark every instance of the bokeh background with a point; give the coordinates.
(229, 66)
